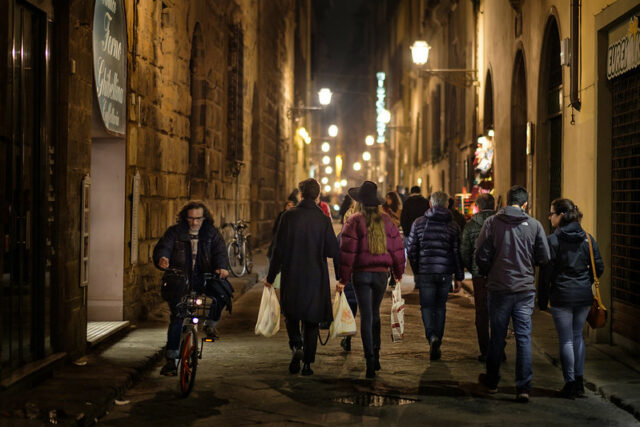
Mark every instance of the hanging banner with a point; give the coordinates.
(110, 63)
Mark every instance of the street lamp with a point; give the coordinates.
(343, 182)
(357, 166)
(324, 96)
(333, 131)
(369, 140)
(327, 188)
(366, 156)
(328, 170)
(326, 160)
(460, 77)
(324, 180)
(325, 147)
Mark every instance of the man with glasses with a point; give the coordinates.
(510, 245)
(194, 246)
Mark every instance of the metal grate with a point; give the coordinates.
(625, 209)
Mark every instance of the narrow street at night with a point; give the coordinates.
(243, 380)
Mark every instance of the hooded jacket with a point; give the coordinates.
(354, 248)
(567, 279)
(469, 237)
(510, 245)
(433, 246)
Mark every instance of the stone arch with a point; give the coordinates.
(519, 121)
(548, 160)
(198, 156)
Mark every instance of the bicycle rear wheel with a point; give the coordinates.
(236, 259)
(188, 362)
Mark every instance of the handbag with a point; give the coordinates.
(597, 316)
(397, 315)
(344, 324)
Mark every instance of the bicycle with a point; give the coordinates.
(239, 249)
(191, 309)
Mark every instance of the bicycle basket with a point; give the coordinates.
(174, 286)
(194, 305)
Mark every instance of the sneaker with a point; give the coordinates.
(210, 328)
(579, 386)
(568, 391)
(483, 380)
(169, 369)
(434, 351)
(522, 396)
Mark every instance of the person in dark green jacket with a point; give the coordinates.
(486, 205)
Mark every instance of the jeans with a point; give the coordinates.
(434, 291)
(569, 324)
(350, 294)
(307, 340)
(175, 321)
(502, 307)
(482, 313)
(370, 287)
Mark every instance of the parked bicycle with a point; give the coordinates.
(193, 308)
(239, 249)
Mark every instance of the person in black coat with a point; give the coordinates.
(433, 249)
(304, 241)
(566, 281)
(412, 208)
(196, 247)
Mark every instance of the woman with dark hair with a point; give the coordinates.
(566, 282)
(393, 207)
(370, 246)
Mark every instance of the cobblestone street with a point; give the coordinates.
(243, 379)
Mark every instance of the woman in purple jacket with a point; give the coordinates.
(370, 246)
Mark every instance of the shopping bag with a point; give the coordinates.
(268, 323)
(397, 315)
(344, 324)
(276, 281)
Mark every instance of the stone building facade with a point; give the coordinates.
(205, 98)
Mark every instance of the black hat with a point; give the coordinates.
(367, 194)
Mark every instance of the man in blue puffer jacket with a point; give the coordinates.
(433, 252)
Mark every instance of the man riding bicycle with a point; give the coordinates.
(195, 247)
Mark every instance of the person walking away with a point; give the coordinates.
(323, 206)
(349, 291)
(485, 203)
(566, 281)
(433, 249)
(196, 247)
(287, 205)
(304, 241)
(370, 245)
(345, 206)
(413, 208)
(458, 218)
(510, 245)
(393, 207)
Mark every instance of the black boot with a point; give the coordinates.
(371, 367)
(568, 391)
(296, 357)
(346, 343)
(579, 386)
(306, 369)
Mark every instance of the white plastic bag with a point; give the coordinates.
(268, 323)
(397, 315)
(344, 324)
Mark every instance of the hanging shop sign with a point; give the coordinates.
(110, 63)
(381, 93)
(623, 53)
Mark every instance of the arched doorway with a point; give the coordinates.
(549, 152)
(519, 122)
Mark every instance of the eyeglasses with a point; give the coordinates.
(195, 218)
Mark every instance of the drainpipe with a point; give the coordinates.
(575, 45)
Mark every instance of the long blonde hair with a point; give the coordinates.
(376, 235)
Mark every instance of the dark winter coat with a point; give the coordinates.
(510, 245)
(413, 208)
(459, 219)
(566, 280)
(469, 236)
(433, 246)
(354, 249)
(304, 241)
(175, 245)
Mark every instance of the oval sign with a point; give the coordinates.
(110, 63)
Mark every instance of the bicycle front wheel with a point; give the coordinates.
(248, 259)
(188, 363)
(236, 259)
